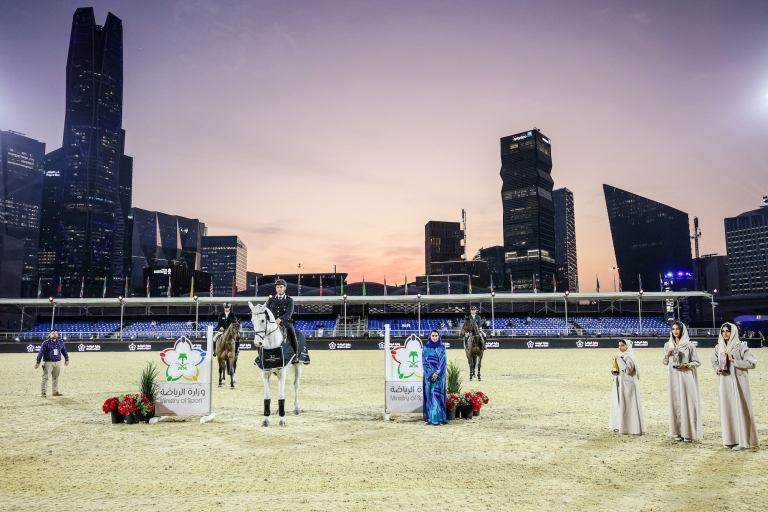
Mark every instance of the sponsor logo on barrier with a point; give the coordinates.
(393, 345)
(696, 343)
(246, 346)
(333, 345)
(31, 348)
(639, 344)
(139, 346)
(88, 348)
(491, 344)
(537, 344)
(587, 344)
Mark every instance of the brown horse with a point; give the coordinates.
(227, 355)
(474, 346)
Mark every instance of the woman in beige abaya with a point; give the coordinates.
(626, 406)
(681, 358)
(732, 361)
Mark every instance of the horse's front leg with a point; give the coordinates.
(471, 362)
(281, 376)
(222, 379)
(234, 371)
(479, 365)
(267, 398)
(297, 368)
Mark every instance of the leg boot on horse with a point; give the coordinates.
(265, 421)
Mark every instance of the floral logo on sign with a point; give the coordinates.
(182, 361)
(408, 358)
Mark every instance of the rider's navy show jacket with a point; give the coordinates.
(281, 308)
(225, 321)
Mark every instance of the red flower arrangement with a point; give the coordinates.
(451, 401)
(128, 404)
(110, 404)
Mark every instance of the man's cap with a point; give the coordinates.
(281, 282)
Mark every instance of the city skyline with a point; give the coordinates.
(346, 104)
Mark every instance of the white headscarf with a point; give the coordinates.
(630, 353)
(685, 341)
(733, 341)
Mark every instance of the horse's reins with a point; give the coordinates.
(265, 334)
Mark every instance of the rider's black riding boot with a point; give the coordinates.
(281, 407)
(266, 406)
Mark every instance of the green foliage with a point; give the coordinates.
(453, 379)
(148, 380)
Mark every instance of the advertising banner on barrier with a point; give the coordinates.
(186, 380)
(403, 375)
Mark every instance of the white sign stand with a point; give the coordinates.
(185, 398)
(403, 377)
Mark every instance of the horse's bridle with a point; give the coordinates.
(264, 335)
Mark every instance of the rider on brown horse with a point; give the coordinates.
(226, 319)
(478, 320)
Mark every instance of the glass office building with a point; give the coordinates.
(226, 259)
(529, 215)
(649, 238)
(565, 241)
(21, 196)
(746, 240)
(83, 233)
(443, 241)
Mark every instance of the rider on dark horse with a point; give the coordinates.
(281, 306)
(478, 322)
(227, 318)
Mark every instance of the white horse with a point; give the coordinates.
(268, 335)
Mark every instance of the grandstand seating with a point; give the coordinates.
(532, 326)
(72, 330)
(623, 326)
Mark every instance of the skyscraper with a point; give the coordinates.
(443, 241)
(225, 258)
(21, 189)
(162, 240)
(529, 215)
(565, 241)
(83, 225)
(649, 238)
(746, 240)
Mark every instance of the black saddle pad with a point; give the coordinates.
(272, 358)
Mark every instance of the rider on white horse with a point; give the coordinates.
(478, 322)
(281, 306)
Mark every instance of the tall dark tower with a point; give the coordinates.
(565, 241)
(529, 215)
(83, 178)
(649, 238)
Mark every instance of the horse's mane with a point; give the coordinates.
(475, 327)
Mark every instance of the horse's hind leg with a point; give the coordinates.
(267, 399)
(231, 372)
(234, 370)
(297, 368)
(479, 365)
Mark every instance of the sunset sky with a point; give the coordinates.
(329, 133)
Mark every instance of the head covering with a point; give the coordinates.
(685, 340)
(630, 353)
(227, 305)
(280, 282)
(434, 344)
(733, 341)
(473, 306)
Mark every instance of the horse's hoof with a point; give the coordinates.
(221, 385)
(281, 422)
(297, 411)
(478, 378)
(470, 377)
(265, 422)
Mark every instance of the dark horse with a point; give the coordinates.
(474, 347)
(227, 355)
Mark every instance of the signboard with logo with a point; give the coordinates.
(186, 379)
(404, 376)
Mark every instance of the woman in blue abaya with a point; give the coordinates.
(433, 361)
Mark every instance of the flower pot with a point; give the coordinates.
(466, 412)
(146, 417)
(116, 416)
(451, 414)
(476, 413)
(132, 418)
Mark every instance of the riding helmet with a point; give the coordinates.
(227, 305)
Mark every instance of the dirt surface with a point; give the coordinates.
(542, 443)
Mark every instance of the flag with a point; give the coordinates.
(427, 285)
(211, 290)
(470, 285)
(299, 285)
(127, 287)
(661, 282)
(234, 286)
(385, 286)
(82, 287)
(59, 289)
(554, 282)
(640, 280)
(449, 285)
(534, 284)
(170, 293)
(621, 288)
(364, 286)
(321, 286)
(492, 284)
(148, 294)
(256, 287)
(406, 285)
(511, 284)
(104, 289)
(40, 288)
(597, 283)
(342, 286)
(192, 287)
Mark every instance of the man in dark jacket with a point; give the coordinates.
(226, 319)
(281, 306)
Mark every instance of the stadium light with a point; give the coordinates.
(120, 298)
(122, 306)
(565, 301)
(195, 297)
(50, 299)
(641, 292)
(197, 308)
(345, 315)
